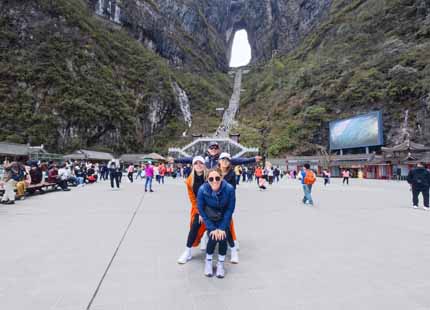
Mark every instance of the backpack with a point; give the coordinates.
(310, 177)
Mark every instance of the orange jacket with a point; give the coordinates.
(258, 172)
(194, 211)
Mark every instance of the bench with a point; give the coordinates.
(44, 186)
(34, 187)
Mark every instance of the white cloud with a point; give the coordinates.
(241, 50)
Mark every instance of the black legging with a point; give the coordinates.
(194, 230)
(130, 176)
(114, 176)
(222, 247)
(345, 179)
(230, 239)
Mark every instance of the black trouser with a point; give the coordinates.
(194, 230)
(130, 176)
(222, 247)
(230, 240)
(326, 181)
(415, 193)
(62, 184)
(114, 176)
(345, 180)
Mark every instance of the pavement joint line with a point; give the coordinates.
(136, 210)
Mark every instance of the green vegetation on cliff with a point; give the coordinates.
(70, 80)
(367, 55)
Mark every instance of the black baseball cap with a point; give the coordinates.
(213, 143)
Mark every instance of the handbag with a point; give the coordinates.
(213, 215)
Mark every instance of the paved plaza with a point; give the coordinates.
(362, 247)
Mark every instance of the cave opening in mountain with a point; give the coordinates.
(240, 50)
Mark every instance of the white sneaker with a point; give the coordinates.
(185, 257)
(234, 259)
(426, 208)
(415, 207)
(236, 244)
(208, 268)
(204, 242)
(220, 270)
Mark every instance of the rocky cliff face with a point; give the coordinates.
(135, 74)
(183, 30)
(68, 80)
(365, 55)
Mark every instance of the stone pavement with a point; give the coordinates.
(362, 247)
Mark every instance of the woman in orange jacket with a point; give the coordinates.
(197, 226)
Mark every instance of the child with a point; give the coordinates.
(262, 183)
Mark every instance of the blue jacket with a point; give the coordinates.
(212, 161)
(224, 200)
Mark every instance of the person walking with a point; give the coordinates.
(162, 172)
(114, 173)
(258, 174)
(270, 175)
(149, 173)
(276, 174)
(197, 227)
(345, 174)
(308, 179)
(326, 176)
(419, 179)
(130, 172)
(244, 174)
(237, 172)
(250, 175)
(156, 173)
(216, 201)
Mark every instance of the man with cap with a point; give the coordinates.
(213, 153)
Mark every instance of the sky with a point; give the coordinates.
(241, 51)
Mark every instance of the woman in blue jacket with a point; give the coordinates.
(216, 201)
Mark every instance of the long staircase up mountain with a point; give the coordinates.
(228, 119)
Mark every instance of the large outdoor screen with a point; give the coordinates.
(359, 131)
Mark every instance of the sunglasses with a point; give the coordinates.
(215, 147)
(211, 179)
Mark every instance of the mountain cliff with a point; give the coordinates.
(134, 75)
(364, 56)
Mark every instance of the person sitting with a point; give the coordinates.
(11, 177)
(91, 175)
(54, 176)
(79, 175)
(36, 176)
(21, 182)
